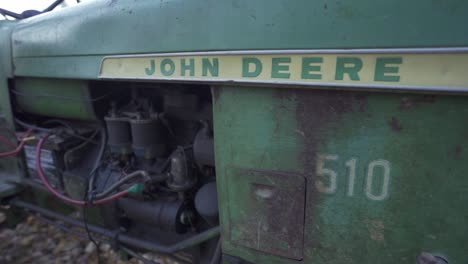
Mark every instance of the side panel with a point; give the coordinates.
(385, 173)
(54, 98)
(9, 166)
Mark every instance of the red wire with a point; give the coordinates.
(61, 196)
(18, 148)
(7, 142)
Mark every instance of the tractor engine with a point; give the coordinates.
(141, 154)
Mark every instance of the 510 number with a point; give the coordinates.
(375, 193)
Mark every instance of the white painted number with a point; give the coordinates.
(385, 165)
(328, 180)
(351, 164)
(321, 171)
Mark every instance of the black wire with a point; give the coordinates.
(82, 145)
(50, 130)
(5, 12)
(67, 125)
(122, 181)
(85, 221)
(26, 125)
(27, 14)
(81, 99)
(89, 191)
(52, 6)
(61, 122)
(138, 256)
(97, 163)
(83, 236)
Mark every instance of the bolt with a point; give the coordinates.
(186, 217)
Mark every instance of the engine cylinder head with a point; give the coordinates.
(119, 135)
(148, 136)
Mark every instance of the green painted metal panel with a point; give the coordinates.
(385, 173)
(6, 69)
(66, 67)
(272, 202)
(54, 98)
(11, 168)
(109, 27)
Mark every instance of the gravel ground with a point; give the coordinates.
(34, 241)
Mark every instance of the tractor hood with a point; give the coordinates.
(73, 40)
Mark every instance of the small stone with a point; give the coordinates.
(25, 259)
(7, 234)
(66, 258)
(36, 254)
(105, 247)
(27, 240)
(30, 220)
(59, 247)
(76, 251)
(90, 248)
(71, 244)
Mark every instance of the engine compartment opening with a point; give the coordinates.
(142, 151)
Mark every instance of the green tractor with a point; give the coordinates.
(244, 131)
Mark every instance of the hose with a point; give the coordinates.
(46, 183)
(29, 126)
(125, 238)
(18, 148)
(7, 142)
(97, 163)
(120, 182)
(51, 130)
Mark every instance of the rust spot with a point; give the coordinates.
(317, 110)
(376, 230)
(409, 102)
(266, 223)
(395, 124)
(361, 101)
(428, 98)
(406, 103)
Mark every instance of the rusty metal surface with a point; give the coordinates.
(384, 172)
(267, 212)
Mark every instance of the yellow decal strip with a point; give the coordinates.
(427, 69)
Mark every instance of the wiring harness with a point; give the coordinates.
(105, 196)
